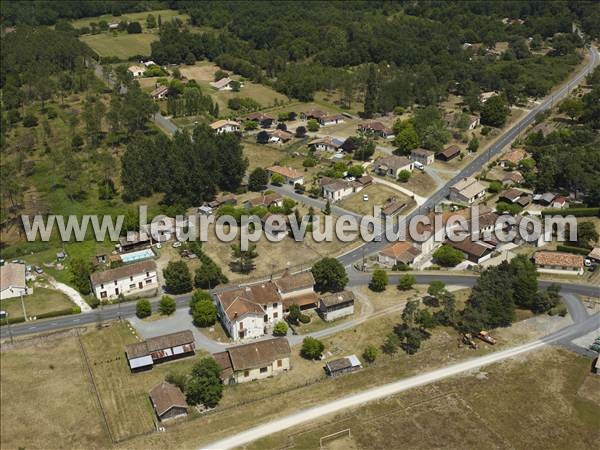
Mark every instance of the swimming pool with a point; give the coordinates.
(137, 256)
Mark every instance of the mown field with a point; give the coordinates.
(122, 46)
(47, 399)
(165, 14)
(43, 300)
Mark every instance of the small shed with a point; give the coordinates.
(343, 365)
(335, 306)
(168, 401)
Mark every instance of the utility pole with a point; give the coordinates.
(23, 305)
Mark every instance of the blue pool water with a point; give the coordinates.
(137, 256)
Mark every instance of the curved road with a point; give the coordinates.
(381, 392)
(124, 310)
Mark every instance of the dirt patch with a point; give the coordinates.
(203, 71)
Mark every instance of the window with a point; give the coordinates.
(279, 363)
(102, 286)
(115, 282)
(275, 305)
(275, 315)
(103, 294)
(241, 325)
(132, 286)
(147, 274)
(264, 369)
(148, 281)
(266, 318)
(131, 278)
(246, 373)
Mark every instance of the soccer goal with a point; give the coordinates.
(334, 436)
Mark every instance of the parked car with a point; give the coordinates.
(38, 269)
(365, 197)
(176, 244)
(419, 166)
(587, 262)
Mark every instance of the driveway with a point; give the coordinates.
(72, 294)
(180, 320)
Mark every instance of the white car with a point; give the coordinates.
(365, 197)
(419, 166)
(587, 262)
(176, 244)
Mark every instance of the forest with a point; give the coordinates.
(301, 47)
(569, 158)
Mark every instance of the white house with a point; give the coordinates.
(12, 281)
(224, 84)
(336, 306)
(127, 280)
(559, 263)
(335, 190)
(225, 126)
(401, 252)
(327, 143)
(392, 165)
(468, 190)
(160, 93)
(136, 70)
(291, 176)
(254, 361)
(422, 156)
(251, 311)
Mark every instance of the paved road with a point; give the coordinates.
(382, 392)
(125, 310)
(482, 159)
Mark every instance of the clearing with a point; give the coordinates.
(122, 46)
(165, 15)
(47, 398)
(378, 195)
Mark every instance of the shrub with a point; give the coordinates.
(304, 318)
(143, 308)
(312, 348)
(204, 313)
(406, 282)
(167, 305)
(570, 249)
(404, 176)
(280, 329)
(448, 256)
(379, 280)
(312, 125)
(370, 354)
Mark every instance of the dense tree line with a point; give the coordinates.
(188, 169)
(321, 40)
(48, 12)
(568, 158)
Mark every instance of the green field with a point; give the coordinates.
(42, 301)
(121, 46)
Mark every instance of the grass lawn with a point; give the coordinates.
(122, 46)
(392, 296)
(43, 300)
(505, 406)
(262, 155)
(378, 195)
(47, 399)
(420, 183)
(124, 395)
